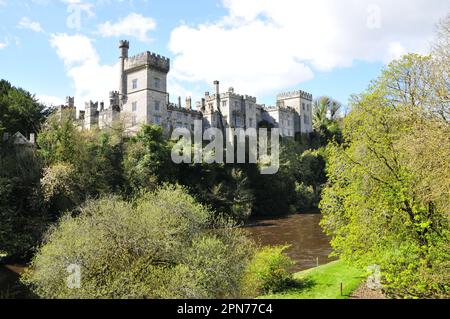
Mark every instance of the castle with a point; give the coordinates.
(143, 99)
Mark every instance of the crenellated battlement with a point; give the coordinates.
(148, 58)
(91, 106)
(295, 94)
(177, 108)
(280, 108)
(124, 44)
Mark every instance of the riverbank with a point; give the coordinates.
(324, 282)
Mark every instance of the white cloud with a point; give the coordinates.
(263, 46)
(91, 79)
(26, 23)
(3, 45)
(133, 25)
(49, 100)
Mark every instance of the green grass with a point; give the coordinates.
(323, 282)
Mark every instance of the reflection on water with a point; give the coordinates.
(308, 242)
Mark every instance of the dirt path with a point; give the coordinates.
(364, 292)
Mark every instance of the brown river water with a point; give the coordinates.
(309, 245)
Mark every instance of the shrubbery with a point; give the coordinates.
(163, 245)
(269, 271)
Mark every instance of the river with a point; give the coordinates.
(309, 245)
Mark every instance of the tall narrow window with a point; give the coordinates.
(134, 106)
(157, 106)
(158, 120)
(134, 84)
(157, 83)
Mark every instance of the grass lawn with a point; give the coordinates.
(323, 282)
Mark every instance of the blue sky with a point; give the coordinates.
(260, 47)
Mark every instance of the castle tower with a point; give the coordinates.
(143, 87)
(301, 102)
(91, 115)
(124, 46)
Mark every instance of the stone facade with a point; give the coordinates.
(143, 99)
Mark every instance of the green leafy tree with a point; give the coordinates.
(19, 110)
(147, 159)
(387, 200)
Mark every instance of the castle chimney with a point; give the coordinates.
(189, 103)
(216, 83)
(179, 101)
(124, 46)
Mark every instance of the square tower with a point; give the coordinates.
(144, 92)
(301, 103)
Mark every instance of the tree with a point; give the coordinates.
(90, 161)
(326, 121)
(163, 245)
(19, 110)
(22, 213)
(147, 159)
(387, 199)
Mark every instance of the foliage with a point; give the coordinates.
(19, 111)
(387, 200)
(267, 272)
(23, 218)
(84, 163)
(164, 245)
(147, 160)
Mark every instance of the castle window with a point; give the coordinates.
(303, 106)
(238, 121)
(134, 106)
(250, 122)
(157, 82)
(224, 103)
(158, 120)
(157, 106)
(134, 84)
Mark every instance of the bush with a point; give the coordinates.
(268, 272)
(163, 245)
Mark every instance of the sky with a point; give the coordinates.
(59, 48)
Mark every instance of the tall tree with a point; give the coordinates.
(387, 200)
(19, 110)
